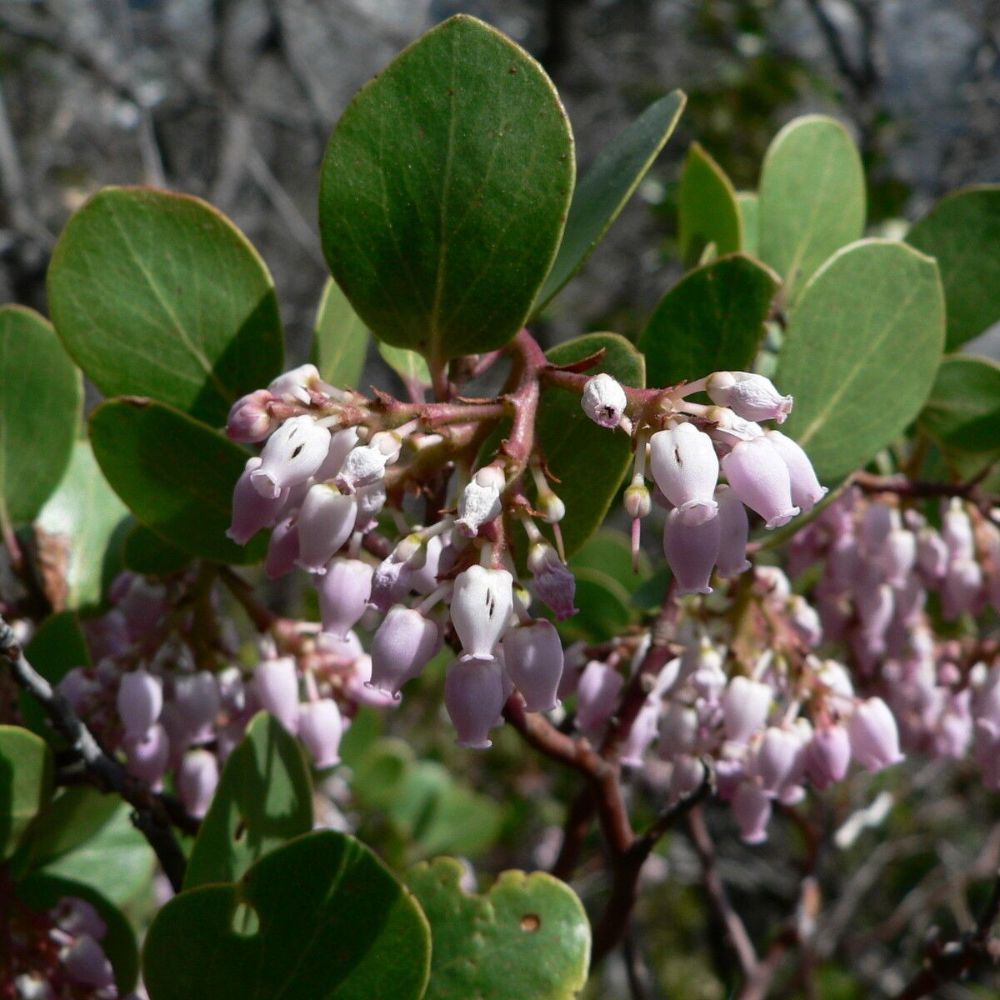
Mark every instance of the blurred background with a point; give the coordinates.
(233, 100)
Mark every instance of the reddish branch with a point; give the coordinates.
(917, 488)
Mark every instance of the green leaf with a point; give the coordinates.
(444, 192)
(147, 553)
(318, 919)
(711, 320)
(963, 232)
(76, 527)
(408, 365)
(610, 552)
(707, 208)
(160, 295)
(117, 862)
(573, 446)
(42, 891)
(175, 474)
(963, 411)
(74, 816)
(341, 340)
(604, 607)
(812, 198)
(527, 937)
(607, 186)
(749, 205)
(861, 351)
(264, 798)
(25, 783)
(39, 412)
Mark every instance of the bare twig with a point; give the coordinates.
(955, 959)
(152, 816)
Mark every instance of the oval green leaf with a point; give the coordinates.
(861, 352)
(318, 919)
(963, 232)
(25, 783)
(812, 198)
(527, 937)
(264, 799)
(444, 192)
(707, 208)
(607, 186)
(341, 339)
(146, 552)
(711, 320)
(408, 365)
(116, 862)
(72, 818)
(39, 412)
(160, 295)
(963, 411)
(574, 447)
(175, 474)
(42, 891)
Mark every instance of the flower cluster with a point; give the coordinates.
(707, 526)
(58, 953)
(887, 574)
(171, 707)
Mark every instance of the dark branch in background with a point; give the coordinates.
(955, 959)
(153, 815)
(920, 489)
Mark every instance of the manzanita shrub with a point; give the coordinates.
(477, 558)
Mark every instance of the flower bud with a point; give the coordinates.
(604, 401)
(596, 696)
(638, 502)
(343, 594)
(148, 754)
(533, 656)
(276, 684)
(752, 812)
(293, 386)
(480, 501)
(197, 779)
(282, 549)
(140, 701)
(745, 705)
(439, 557)
(320, 729)
(963, 588)
(251, 511)
(341, 444)
(366, 464)
(759, 477)
(474, 697)
(750, 396)
(684, 465)
(371, 500)
(776, 759)
(76, 917)
(873, 735)
(553, 580)
(393, 577)
(729, 429)
(806, 488)
(642, 734)
(403, 645)
(249, 418)
(691, 545)
(688, 773)
(78, 688)
(196, 701)
(734, 533)
(828, 756)
(552, 509)
(932, 554)
(87, 965)
(325, 522)
(957, 531)
(481, 605)
(678, 730)
(803, 618)
(292, 454)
